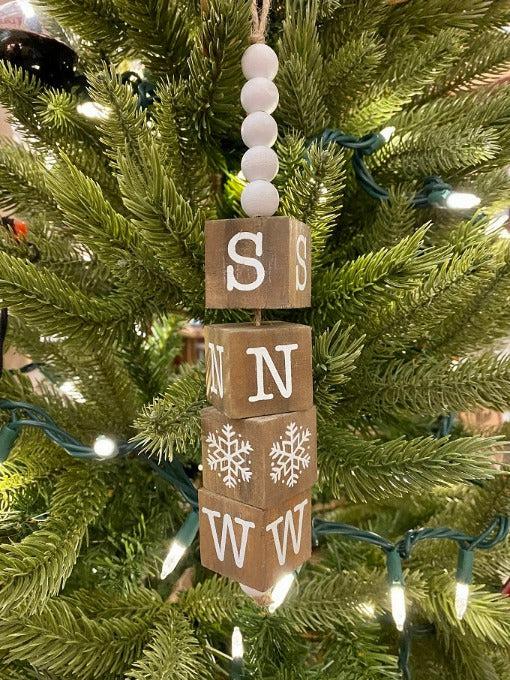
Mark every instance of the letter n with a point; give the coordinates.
(215, 369)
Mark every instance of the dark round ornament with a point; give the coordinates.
(26, 43)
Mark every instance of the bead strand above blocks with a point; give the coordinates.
(259, 98)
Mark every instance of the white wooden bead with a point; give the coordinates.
(259, 60)
(260, 162)
(260, 199)
(259, 129)
(259, 94)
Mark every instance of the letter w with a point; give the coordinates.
(239, 553)
(288, 527)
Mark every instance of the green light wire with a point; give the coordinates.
(172, 471)
(495, 533)
(433, 187)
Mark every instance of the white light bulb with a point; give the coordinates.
(461, 599)
(175, 554)
(27, 9)
(93, 110)
(105, 447)
(459, 200)
(398, 605)
(237, 644)
(280, 591)
(387, 133)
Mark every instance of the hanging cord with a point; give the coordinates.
(260, 17)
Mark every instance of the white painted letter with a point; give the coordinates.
(215, 372)
(232, 282)
(220, 545)
(301, 258)
(261, 356)
(281, 546)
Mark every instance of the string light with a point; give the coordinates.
(105, 447)
(458, 200)
(237, 666)
(387, 133)
(280, 591)
(397, 592)
(398, 605)
(182, 541)
(461, 599)
(237, 644)
(464, 577)
(175, 554)
(435, 191)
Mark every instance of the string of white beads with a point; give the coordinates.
(259, 98)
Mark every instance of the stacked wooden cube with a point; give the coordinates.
(259, 436)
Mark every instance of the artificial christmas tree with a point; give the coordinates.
(410, 287)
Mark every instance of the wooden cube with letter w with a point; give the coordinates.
(252, 546)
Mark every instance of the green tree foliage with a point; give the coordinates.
(409, 309)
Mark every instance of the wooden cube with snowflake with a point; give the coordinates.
(259, 461)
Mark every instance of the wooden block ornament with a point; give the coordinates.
(252, 546)
(259, 450)
(257, 263)
(259, 461)
(259, 370)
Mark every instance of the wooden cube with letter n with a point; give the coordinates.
(257, 263)
(252, 546)
(259, 370)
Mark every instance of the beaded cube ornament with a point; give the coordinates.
(259, 442)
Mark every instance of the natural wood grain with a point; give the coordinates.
(263, 447)
(259, 370)
(278, 271)
(263, 556)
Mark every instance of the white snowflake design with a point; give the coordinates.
(229, 455)
(290, 455)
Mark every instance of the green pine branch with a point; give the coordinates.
(172, 422)
(37, 568)
(335, 354)
(365, 470)
(173, 653)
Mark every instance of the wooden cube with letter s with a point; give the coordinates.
(257, 263)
